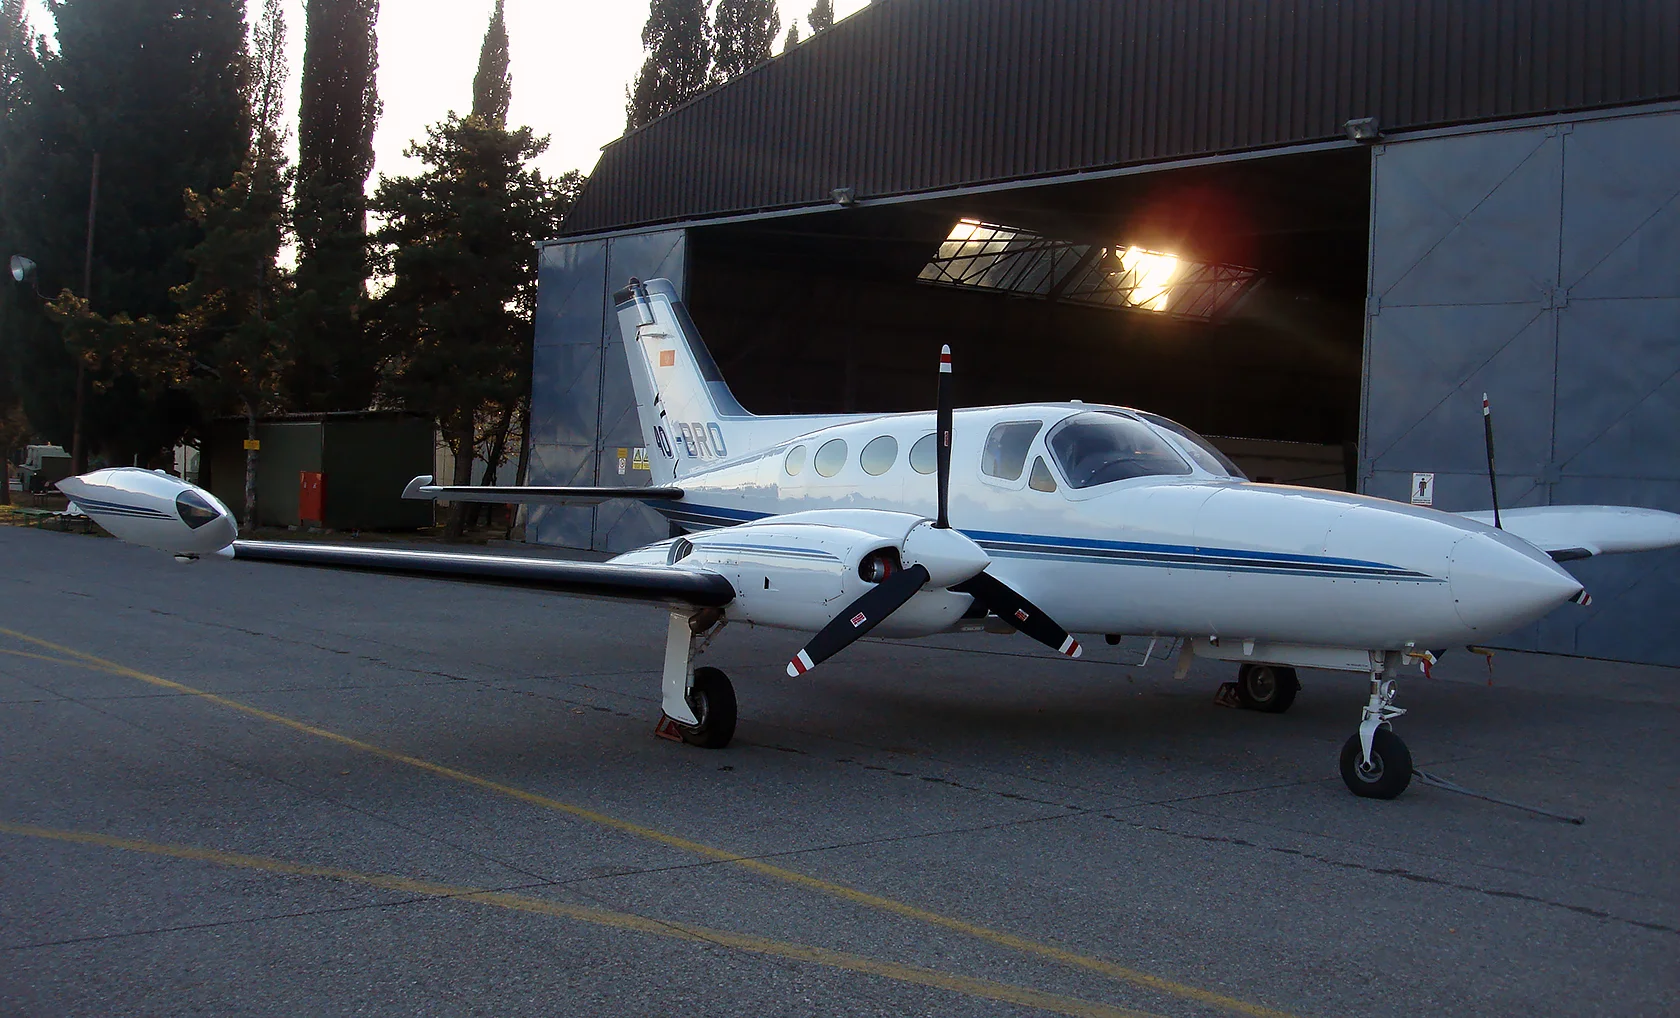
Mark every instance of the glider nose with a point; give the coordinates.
(1499, 585)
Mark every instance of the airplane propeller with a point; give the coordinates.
(900, 585)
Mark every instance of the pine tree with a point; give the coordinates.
(679, 61)
(231, 319)
(821, 16)
(792, 36)
(17, 54)
(336, 366)
(493, 85)
(154, 88)
(459, 243)
(744, 31)
(18, 76)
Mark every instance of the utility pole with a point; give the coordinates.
(78, 459)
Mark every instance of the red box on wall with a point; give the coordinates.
(312, 497)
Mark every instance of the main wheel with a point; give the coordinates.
(712, 698)
(1390, 771)
(1269, 689)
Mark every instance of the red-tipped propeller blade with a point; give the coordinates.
(859, 618)
(943, 442)
(1008, 605)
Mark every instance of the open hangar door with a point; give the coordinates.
(1227, 296)
(1537, 263)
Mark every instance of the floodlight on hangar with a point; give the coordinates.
(990, 256)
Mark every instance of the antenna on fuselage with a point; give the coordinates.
(1493, 477)
(943, 442)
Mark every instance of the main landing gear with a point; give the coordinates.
(1269, 689)
(699, 703)
(1375, 763)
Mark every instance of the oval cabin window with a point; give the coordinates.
(795, 461)
(878, 455)
(831, 457)
(924, 455)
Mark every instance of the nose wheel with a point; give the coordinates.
(1375, 764)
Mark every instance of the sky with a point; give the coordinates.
(571, 62)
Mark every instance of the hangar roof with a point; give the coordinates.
(913, 96)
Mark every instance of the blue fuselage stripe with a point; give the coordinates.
(1086, 550)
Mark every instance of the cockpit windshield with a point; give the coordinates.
(1095, 448)
(1202, 451)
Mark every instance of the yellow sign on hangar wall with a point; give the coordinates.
(632, 459)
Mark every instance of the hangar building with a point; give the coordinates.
(1318, 231)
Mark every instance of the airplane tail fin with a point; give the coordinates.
(689, 417)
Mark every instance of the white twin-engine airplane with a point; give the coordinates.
(1049, 518)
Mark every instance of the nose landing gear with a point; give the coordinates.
(1375, 764)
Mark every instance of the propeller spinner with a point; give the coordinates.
(949, 560)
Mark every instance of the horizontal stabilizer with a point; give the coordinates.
(422, 488)
(1567, 532)
(598, 579)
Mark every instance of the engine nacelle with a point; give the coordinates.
(796, 571)
(152, 508)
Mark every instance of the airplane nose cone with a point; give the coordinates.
(1499, 585)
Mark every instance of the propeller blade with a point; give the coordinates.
(1008, 605)
(1493, 476)
(859, 618)
(943, 442)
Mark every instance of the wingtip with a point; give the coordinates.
(412, 490)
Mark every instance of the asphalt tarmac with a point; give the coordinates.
(229, 788)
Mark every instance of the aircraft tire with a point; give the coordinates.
(1269, 689)
(713, 698)
(1391, 766)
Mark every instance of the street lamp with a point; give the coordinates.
(22, 269)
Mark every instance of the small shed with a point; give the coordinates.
(363, 461)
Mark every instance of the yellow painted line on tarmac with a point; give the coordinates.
(985, 989)
(49, 658)
(1000, 938)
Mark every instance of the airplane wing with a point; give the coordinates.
(422, 488)
(1568, 532)
(673, 585)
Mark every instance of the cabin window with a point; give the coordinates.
(924, 455)
(831, 457)
(1041, 479)
(878, 455)
(1096, 448)
(795, 461)
(1005, 455)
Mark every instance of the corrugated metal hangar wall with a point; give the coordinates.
(1542, 266)
(1532, 258)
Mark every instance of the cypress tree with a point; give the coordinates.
(821, 16)
(792, 36)
(230, 312)
(679, 61)
(336, 366)
(493, 84)
(744, 31)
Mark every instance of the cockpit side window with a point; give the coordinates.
(1005, 455)
(1202, 451)
(1096, 448)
